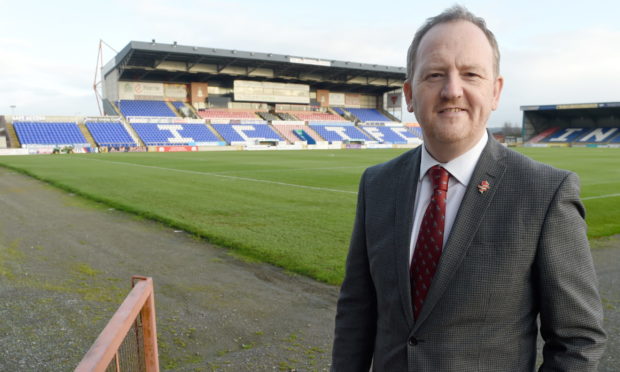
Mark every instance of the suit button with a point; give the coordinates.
(413, 341)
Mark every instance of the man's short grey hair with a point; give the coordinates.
(453, 14)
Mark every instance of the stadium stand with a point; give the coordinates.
(110, 134)
(286, 116)
(288, 132)
(315, 116)
(170, 134)
(367, 114)
(303, 135)
(49, 133)
(615, 139)
(565, 135)
(179, 105)
(12, 139)
(246, 132)
(391, 134)
(598, 135)
(340, 111)
(415, 130)
(145, 108)
(546, 133)
(87, 135)
(340, 132)
(268, 116)
(227, 114)
(577, 135)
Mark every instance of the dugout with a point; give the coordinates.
(223, 78)
(539, 121)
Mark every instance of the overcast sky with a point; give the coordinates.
(552, 51)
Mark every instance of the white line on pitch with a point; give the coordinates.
(226, 176)
(600, 196)
(292, 169)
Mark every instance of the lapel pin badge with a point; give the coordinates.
(484, 186)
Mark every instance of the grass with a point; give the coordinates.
(293, 209)
(599, 171)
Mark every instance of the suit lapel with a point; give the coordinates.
(490, 168)
(403, 222)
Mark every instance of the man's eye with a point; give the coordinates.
(434, 75)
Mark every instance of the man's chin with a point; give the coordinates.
(450, 133)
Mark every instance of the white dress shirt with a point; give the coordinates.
(461, 170)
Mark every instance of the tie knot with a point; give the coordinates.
(439, 178)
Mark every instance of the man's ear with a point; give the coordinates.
(497, 91)
(408, 95)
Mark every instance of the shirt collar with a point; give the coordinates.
(462, 167)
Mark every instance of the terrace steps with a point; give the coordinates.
(116, 109)
(172, 108)
(219, 136)
(13, 141)
(388, 115)
(132, 133)
(87, 135)
(192, 109)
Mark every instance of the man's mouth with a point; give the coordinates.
(451, 109)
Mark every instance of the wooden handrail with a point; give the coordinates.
(139, 301)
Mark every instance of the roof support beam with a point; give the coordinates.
(249, 70)
(221, 68)
(159, 62)
(348, 78)
(189, 65)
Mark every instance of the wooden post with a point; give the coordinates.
(149, 331)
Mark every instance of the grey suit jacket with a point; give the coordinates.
(516, 251)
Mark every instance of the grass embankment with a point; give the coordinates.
(293, 209)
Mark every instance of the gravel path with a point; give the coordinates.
(65, 266)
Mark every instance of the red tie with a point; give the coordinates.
(430, 239)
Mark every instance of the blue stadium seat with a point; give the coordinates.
(145, 108)
(599, 135)
(391, 134)
(366, 114)
(246, 132)
(339, 132)
(49, 133)
(615, 139)
(110, 134)
(171, 134)
(417, 131)
(565, 135)
(178, 104)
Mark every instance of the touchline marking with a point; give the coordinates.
(600, 196)
(294, 169)
(225, 176)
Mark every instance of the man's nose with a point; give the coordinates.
(452, 87)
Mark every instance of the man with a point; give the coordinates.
(507, 244)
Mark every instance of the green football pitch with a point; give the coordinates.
(293, 209)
